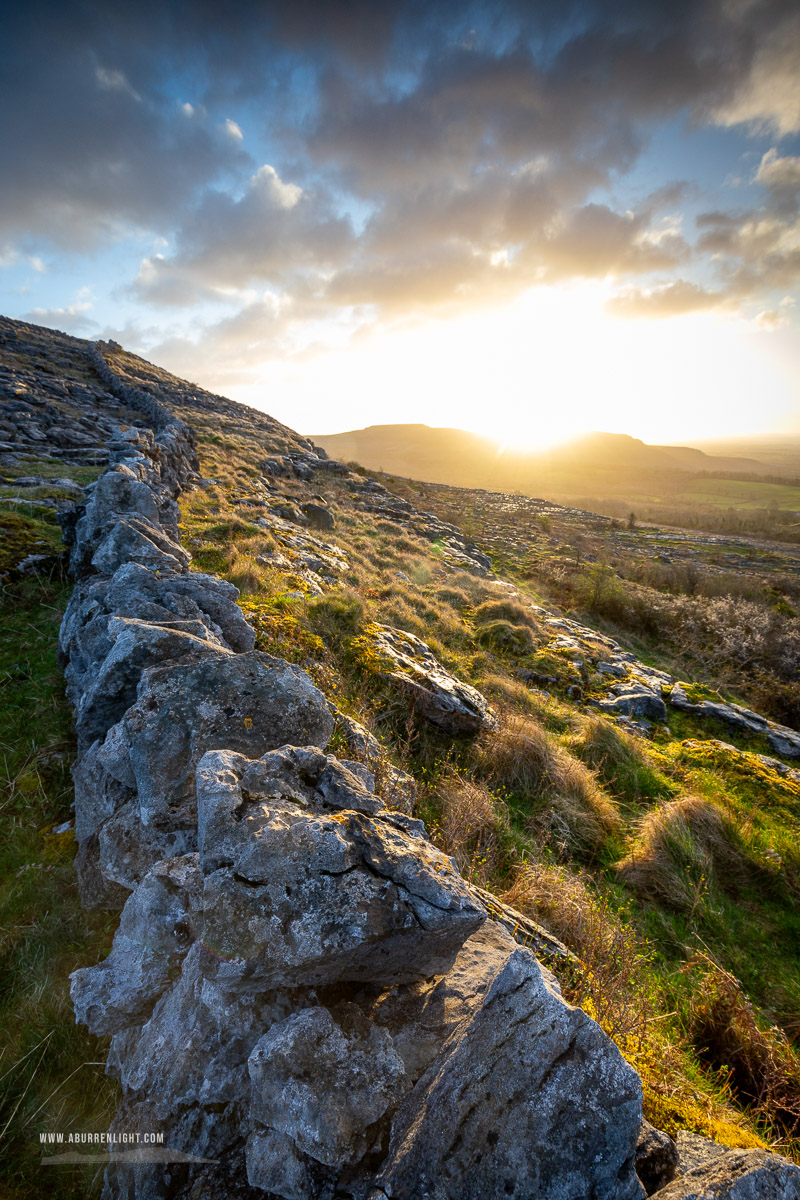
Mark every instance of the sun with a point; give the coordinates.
(541, 371)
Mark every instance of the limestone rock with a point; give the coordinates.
(437, 695)
(738, 1175)
(363, 1076)
(134, 646)
(154, 934)
(247, 703)
(527, 1097)
(318, 516)
(639, 703)
(138, 541)
(656, 1158)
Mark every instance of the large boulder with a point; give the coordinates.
(436, 694)
(737, 1175)
(527, 1098)
(319, 994)
(248, 703)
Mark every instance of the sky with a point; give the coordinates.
(524, 219)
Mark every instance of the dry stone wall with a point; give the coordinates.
(303, 994)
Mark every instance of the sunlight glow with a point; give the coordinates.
(540, 371)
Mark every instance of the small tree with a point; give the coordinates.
(631, 520)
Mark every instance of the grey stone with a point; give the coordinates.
(318, 516)
(437, 695)
(738, 1175)
(527, 1097)
(362, 1072)
(134, 646)
(137, 541)
(637, 704)
(249, 703)
(154, 935)
(656, 1158)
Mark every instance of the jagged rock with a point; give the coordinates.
(153, 937)
(527, 1098)
(695, 1150)
(656, 1158)
(134, 646)
(363, 1075)
(437, 695)
(738, 1175)
(301, 897)
(640, 704)
(318, 516)
(136, 541)
(398, 788)
(248, 703)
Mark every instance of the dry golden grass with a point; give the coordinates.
(610, 982)
(682, 848)
(504, 610)
(763, 1068)
(566, 800)
(469, 828)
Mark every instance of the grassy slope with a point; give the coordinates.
(553, 810)
(51, 1070)
(547, 811)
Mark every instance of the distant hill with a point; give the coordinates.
(606, 463)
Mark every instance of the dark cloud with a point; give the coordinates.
(422, 155)
(275, 233)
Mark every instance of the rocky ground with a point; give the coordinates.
(304, 991)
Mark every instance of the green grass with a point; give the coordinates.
(51, 1073)
(740, 494)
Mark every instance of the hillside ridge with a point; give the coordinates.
(208, 802)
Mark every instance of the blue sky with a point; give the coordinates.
(531, 219)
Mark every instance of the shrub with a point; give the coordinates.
(621, 763)
(611, 980)
(471, 821)
(762, 1067)
(338, 616)
(503, 610)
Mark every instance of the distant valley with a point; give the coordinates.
(611, 473)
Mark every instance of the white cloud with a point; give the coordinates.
(233, 130)
(115, 81)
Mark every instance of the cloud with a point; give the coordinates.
(776, 318)
(767, 96)
(673, 299)
(276, 233)
(781, 176)
(420, 156)
(70, 319)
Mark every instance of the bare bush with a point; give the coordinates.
(762, 1067)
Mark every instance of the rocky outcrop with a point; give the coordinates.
(319, 990)
(410, 665)
(781, 738)
(657, 1158)
(302, 993)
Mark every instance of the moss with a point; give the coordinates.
(22, 535)
(505, 637)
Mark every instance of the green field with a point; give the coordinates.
(741, 493)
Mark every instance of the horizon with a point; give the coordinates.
(527, 225)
